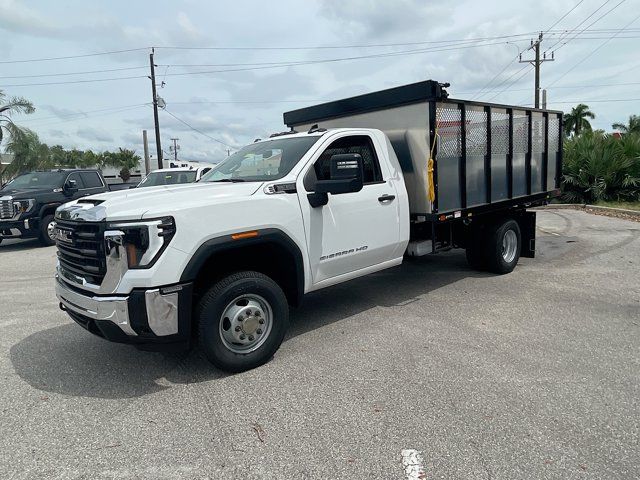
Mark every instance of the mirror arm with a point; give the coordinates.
(318, 199)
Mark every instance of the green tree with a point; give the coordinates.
(10, 106)
(632, 127)
(124, 159)
(577, 121)
(28, 154)
(601, 167)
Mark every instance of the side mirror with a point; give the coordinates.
(345, 176)
(71, 187)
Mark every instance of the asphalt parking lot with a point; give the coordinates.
(535, 374)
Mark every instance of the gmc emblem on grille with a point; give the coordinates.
(63, 236)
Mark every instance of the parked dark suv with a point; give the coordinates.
(29, 201)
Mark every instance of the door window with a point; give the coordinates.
(91, 179)
(360, 144)
(78, 179)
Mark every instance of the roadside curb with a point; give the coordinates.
(597, 210)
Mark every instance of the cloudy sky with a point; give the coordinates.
(241, 64)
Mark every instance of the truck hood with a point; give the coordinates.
(21, 193)
(152, 202)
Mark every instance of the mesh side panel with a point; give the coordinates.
(499, 132)
(476, 120)
(537, 132)
(449, 130)
(520, 132)
(554, 133)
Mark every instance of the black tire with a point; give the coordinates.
(495, 253)
(43, 234)
(210, 311)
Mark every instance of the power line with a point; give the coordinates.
(592, 52)
(512, 83)
(579, 32)
(73, 73)
(48, 59)
(197, 130)
(586, 85)
(564, 16)
(82, 114)
(516, 57)
(281, 65)
(70, 82)
(593, 101)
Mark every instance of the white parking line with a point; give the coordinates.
(412, 463)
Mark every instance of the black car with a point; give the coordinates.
(29, 201)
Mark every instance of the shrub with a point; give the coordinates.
(598, 166)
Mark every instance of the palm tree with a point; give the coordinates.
(632, 127)
(9, 106)
(576, 121)
(123, 159)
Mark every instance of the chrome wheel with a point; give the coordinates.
(50, 230)
(509, 246)
(246, 323)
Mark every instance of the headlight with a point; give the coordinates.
(144, 241)
(23, 206)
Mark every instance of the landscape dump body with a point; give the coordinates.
(487, 157)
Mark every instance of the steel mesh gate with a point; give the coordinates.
(489, 153)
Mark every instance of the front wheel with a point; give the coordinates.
(503, 247)
(46, 231)
(242, 320)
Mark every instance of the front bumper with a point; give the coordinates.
(26, 228)
(152, 319)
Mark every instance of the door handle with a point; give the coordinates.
(386, 198)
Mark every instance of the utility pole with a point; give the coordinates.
(544, 99)
(145, 142)
(228, 152)
(155, 108)
(175, 148)
(535, 46)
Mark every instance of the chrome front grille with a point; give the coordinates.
(81, 249)
(6, 209)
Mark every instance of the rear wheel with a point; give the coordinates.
(242, 321)
(503, 247)
(46, 231)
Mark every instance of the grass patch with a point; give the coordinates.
(625, 205)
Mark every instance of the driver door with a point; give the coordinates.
(353, 230)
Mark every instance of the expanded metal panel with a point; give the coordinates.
(449, 118)
(476, 126)
(499, 131)
(449, 130)
(520, 132)
(537, 132)
(476, 145)
(520, 149)
(537, 150)
(499, 151)
(554, 133)
(554, 151)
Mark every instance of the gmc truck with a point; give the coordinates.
(352, 188)
(29, 201)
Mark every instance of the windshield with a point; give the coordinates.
(261, 162)
(155, 179)
(37, 180)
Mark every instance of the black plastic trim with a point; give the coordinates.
(226, 243)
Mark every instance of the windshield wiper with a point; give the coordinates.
(232, 180)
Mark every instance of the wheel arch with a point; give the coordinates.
(270, 251)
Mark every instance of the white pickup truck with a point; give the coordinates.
(405, 171)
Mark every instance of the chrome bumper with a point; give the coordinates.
(162, 309)
(112, 309)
